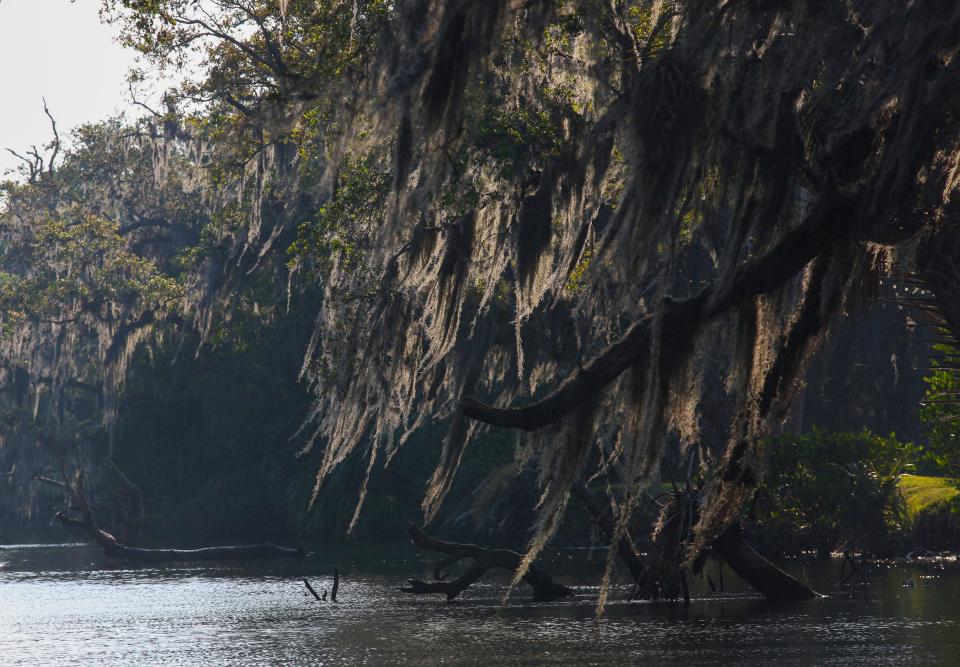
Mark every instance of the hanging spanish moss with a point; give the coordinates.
(721, 183)
(551, 217)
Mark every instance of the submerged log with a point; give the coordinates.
(544, 588)
(772, 582)
(221, 553)
(114, 548)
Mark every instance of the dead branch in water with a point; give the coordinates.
(544, 588)
(333, 590)
(79, 514)
(310, 588)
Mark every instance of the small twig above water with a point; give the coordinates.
(333, 591)
(310, 588)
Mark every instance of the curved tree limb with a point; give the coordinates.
(596, 375)
(831, 220)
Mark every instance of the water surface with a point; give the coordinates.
(67, 605)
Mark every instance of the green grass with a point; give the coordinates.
(922, 492)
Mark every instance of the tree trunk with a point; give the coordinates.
(625, 549)
(772, 582)
(769, 580)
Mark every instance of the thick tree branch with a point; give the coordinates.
(825, 225)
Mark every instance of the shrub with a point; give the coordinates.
(833, 491)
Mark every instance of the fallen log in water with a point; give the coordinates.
(544, 588)
(113, 548)
(221, 553)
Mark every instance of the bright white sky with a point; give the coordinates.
(59, 50)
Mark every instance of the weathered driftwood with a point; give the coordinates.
(544, 588)
(79, 514)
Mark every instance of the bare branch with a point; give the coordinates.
(56, 137)
(31, 163)
(138, 103)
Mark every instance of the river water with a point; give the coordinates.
(66, 605)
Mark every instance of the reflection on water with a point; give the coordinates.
(65, 605)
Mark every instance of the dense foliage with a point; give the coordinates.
(939, 413)
(834, 491)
